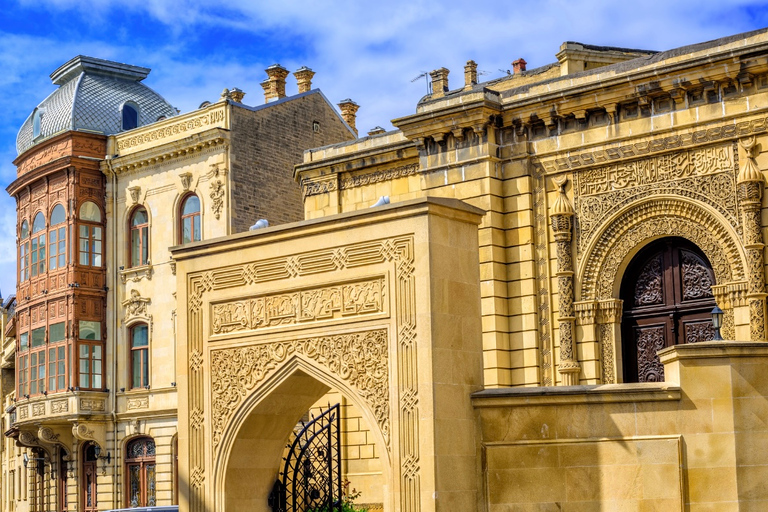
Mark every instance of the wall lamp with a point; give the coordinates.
(106, 459)
(717, 322)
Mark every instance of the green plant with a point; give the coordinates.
(347, 501)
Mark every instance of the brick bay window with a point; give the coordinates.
(90, 350)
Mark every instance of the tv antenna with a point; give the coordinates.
(425, 76)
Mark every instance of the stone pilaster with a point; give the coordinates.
(750, 182)
(561, 216)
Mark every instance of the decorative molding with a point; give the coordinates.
(136, 274)
(706, 175)
(541, 249)
(138, 403)
(91, 404)
(27, 438)
(136, 306)
(217, 198)
(47, 435)
(23, 412)
(59, 406)
(311, 305)
(38, 409)
(584, 159)
(209, 119)
(655, 219)
(186, 180)
(399, 251)
(323, 185)
(360, 359)
(135, 193)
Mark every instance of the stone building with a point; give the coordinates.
(110, 176)
(535, 329)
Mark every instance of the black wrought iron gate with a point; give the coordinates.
(311, 478)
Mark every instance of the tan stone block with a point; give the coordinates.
(516, 271)
(519, 236)
(537, 485)
(711, 485)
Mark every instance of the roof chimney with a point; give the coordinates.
(236, 95)
(304, 78)
(274, 85)
(439, 82)
(377, 131)
(470, 74)
(349, 112)
(518, 66)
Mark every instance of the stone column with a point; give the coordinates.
(609, 321)
(561, 216)
(750, 182)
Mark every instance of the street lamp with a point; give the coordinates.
(717, 322)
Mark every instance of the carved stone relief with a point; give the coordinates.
(38, 409)
(217, 198)
(136, 306)
(138, 403)
(90, 404)
(325, 303)
(360, 359)
(706, 175)
(59, 406)
(398, 251)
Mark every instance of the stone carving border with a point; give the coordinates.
(400, 252)
(683, 140)
(655, 219)
(360, 359)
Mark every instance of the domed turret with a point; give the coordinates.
(94, 95)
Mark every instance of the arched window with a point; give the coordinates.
(38, 245)
(24, 251)
(90, 235)
(57, 239)
(139, 237)
(190, 219)
(140, 470)
(130, 116)
(88, 480)
(139, 356)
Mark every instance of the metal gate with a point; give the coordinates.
(311, 478)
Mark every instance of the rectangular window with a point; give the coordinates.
(90, 245)
(139, 357)
(23, 341)
(56, 332)
(24, 262)
(23, 360)
(38, 337)
(37, 372)
(34, 257)
(91, 359)
(57, 248)
(57, 368)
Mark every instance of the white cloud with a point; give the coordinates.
(368, 51)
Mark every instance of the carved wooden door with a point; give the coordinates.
(88, 482)
(667, 301)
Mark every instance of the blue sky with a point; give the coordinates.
(367, 51)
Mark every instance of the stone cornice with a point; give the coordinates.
(210, 140)
(170, 130)
(676, 139)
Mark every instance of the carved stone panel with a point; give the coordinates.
(707, 175)
(649, 340)
(327, 303)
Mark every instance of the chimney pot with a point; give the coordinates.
(518, 66)
(304, 78)
(439, 82)
(275, 88)
(470, 74)
(349, 112)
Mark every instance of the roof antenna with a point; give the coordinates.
(425, 76)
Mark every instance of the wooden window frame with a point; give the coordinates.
(182, 217)
(142, 462)
(144, 360)
(143, 231)
(91, 239)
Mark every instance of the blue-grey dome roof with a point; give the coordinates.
(90, 97)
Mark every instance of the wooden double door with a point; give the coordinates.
(667, 293)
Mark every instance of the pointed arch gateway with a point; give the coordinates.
(608, 256)
(250, 450)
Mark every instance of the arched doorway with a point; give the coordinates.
(667, 301)
(88, 488)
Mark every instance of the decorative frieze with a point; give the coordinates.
(327, 303)
(173, 129)
(59, 406)
(141, 402)
(91, 404)
(706, 175)
(325, 185)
